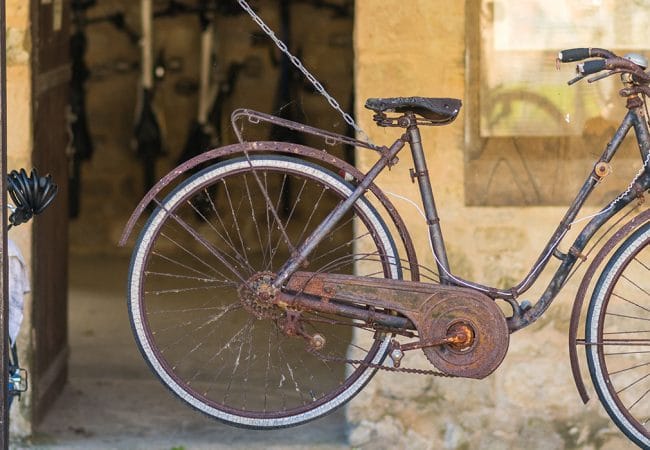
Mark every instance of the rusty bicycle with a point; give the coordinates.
(267, 316)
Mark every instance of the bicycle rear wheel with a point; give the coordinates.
(209, 342)
(618, 337)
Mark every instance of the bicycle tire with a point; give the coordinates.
(158, 309)
(617, 343)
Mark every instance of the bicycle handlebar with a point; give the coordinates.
(592, 66)
(607, 60)
(578, 54)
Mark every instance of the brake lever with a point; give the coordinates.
(575, 80)
(604, 75)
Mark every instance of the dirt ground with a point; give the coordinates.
(112, 401)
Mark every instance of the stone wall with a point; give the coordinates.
(419, 48)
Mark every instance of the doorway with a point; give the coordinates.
(111, 395)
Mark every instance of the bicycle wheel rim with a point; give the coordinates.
(158, 364)
(606, 365)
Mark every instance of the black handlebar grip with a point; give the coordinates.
(591, 67)
(574, 54)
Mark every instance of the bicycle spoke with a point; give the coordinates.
(247, 327)
(636, 286)
(629, 368)
(201, 240)
(234, 215)
(249, 197)
(633, 383)
(193, 255)
(238, 257)
(625, 316)
(179, 264)
(274, 211)
(638, 400)
(627, 353)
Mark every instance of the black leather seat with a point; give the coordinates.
(440, 111)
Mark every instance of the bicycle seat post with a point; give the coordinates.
(421, 173)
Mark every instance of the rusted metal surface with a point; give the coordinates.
(309, 303)
(255, 117)
(461, 331)
(521, 319)
(426, 193)
(286, 148)
(486, 331)
(637, 221)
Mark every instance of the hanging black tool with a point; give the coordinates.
(285, 105)
(206, 129)
(201, 137)
(149, 144)
(81, 148)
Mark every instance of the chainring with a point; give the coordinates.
(489, 343)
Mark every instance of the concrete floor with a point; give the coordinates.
(112, 401)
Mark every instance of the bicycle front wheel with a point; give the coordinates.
(226, 228)
(618, 337)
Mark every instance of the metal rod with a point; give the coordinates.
(313, 304)
(426, 193)
(303, 252)
(642, 134)
(556, 238)
(4, 300)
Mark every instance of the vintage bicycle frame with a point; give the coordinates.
(522, 316)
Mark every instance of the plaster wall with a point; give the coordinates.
(418, 48)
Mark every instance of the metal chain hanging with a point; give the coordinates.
(299, 65)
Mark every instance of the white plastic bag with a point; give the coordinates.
(18, 287)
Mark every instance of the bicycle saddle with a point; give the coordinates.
(439, 111)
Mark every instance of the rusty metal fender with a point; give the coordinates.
(637, 221)
(245, 148)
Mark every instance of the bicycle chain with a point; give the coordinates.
(411, 370)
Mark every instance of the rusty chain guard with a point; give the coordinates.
(432, 309)
(490, 334)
